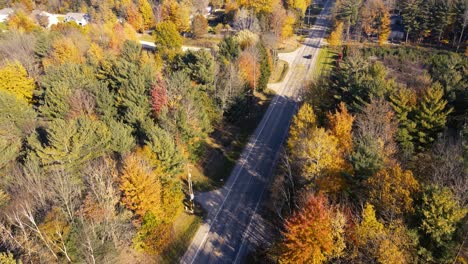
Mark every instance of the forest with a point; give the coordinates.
(97, 134)
(374, 168)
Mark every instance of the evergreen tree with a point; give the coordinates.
(229, 49)
(167, 152)
(404, 103)
(70, 144)
(17, 120)
(440, 214)
(265, 67)
(431, 116)
(367, 157)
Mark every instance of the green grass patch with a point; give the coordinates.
(325, 60)
(279, 72)
(146, 37)
(185, 227)
(206, 42)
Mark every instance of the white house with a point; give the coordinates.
(80, 18)
(52, 19)
(5, 14)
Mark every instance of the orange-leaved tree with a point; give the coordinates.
(314, 234)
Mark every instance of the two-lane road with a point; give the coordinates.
(230, 227)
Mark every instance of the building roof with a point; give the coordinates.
(77, 16)
(6, 11)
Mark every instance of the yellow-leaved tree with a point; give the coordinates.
(258, 6)
(288, 26)
(391, 190)
(384, 27)
(14, 79)
(298, 4)
(335, 37)
(302, 124)
(146, 14)
(341, 124)
(64, 51)
(140, 186)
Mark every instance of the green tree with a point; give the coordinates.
(199, 65)
(440, 214)
(167, 151)
(167, 40)
(431, 116)
(404, 103)
(17, 120)
(366, 158)
(14, 79)
(348, 12)
(70, 144)
(265, 67)
(229, 49)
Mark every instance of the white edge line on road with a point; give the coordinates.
(237, 175)
(283, 137)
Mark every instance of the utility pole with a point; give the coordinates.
(190, 186)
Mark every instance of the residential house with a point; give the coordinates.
(80, 18)
(5, 14)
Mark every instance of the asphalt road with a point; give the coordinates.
(230, 227)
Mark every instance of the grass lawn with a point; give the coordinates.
(290, 44)
(225, 144)
(146, 37)
(325, 60)
(209, 41)
(279, 71)
(185, 227)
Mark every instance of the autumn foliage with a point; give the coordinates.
(310, 236)
(158, 96)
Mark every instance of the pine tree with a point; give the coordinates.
(431, 116)
(404, 103)
(440, 214)
(14, 79)
(17, 120)
(265, 67)
(70, 144)
(167, 151)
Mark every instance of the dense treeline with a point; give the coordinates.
(95, 133)
(275, 17)
(376, 161)
(436, 21)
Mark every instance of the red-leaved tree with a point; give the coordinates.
(158, 96)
